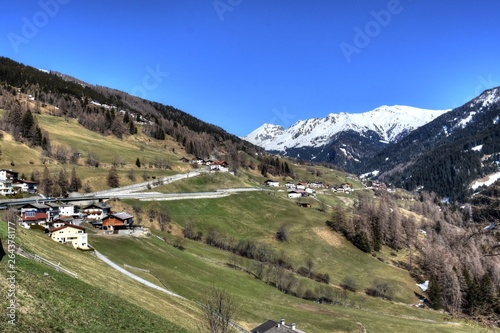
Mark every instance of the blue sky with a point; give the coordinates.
(241, 63)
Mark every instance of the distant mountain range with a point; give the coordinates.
(406, 146)
(344, 139)
(386, 124)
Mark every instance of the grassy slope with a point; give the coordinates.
(257, 216)
(190, 275)
(206, 182)
(106, 149)
(111, 283)
(60, 303)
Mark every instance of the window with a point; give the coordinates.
(30, 214)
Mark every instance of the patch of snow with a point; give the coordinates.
(495, 121)
(467, 120)
(490, 179)
(477, 148)
(374, 173)
(424, 286)
(445, 130)
(344, 151)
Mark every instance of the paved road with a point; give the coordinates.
(134, 191)
(123, 190)
(135, 277)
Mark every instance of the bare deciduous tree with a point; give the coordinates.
(220, 308)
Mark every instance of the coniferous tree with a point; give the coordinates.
(47, 182)
(434, 293)
(63, 182)
(132, 128)
(28, 123)
(113, 180)
(75, 182)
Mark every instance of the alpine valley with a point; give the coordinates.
(183, 227)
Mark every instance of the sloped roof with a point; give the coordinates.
(36, 205)
(265, 327)
(271, 326)
(101, 205)
(120, 216)
(67, 225)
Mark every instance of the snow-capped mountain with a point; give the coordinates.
(385, 124)
(448, 155)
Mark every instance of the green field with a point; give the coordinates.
(50, 301)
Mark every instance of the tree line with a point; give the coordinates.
(444, 245)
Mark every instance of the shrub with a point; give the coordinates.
(349, 283)
(282, 233)
(380, 289)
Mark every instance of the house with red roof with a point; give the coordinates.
(116, 221)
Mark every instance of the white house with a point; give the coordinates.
(66, 210)
(218, 166)
(8, 174)
(294, 195)
(73, 234)
(20, 187)
(97, 211)
(6, 187)
(272, 183)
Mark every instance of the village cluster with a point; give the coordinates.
(64, 222)
(212, 165)
(11, 184)
(305, 189)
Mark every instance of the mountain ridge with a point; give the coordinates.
(386, 123)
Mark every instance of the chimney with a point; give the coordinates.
(293, 326)
(283, 322)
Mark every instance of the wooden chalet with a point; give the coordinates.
(117, 221)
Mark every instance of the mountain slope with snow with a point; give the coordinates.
(448, 154)
(385, 124)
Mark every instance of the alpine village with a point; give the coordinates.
(121, 214)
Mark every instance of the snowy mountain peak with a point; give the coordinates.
(264, 133)
(387, 123)
(488, 97)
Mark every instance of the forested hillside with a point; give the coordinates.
(106, 111)
(447, 154)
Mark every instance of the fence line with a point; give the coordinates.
(56, 267)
